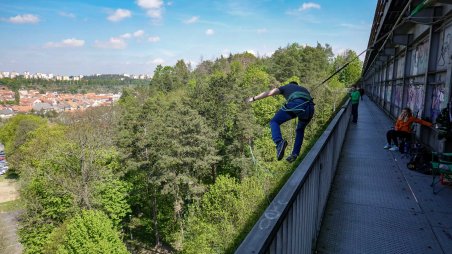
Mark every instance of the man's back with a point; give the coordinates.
(355, 95)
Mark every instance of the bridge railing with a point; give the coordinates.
(292, 221)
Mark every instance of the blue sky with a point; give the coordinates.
(66, 37)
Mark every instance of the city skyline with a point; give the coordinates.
(54, 76)
(115, 37)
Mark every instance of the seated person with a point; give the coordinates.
(402, 129)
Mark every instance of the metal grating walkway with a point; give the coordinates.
(376, 204)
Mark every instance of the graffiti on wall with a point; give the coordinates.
(445, 51)
(400, 66)
(419, 59)
(382, 92)
(416, 95)
(398, 91)
(437, 101)
(388, 93)
(390, 70)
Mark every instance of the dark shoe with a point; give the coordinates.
(280, 149)
(291, 158)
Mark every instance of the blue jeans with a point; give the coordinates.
(302, 109)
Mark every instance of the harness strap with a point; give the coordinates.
(294, 109)
(294, 96)
(298, 95)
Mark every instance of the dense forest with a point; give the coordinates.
(180, 164)
(94, 84)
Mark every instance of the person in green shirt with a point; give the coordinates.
(355, 96)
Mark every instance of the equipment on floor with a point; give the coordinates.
(420, 159)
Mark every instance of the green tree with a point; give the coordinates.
(14, 133)
(218, 222)
(65, 170)
(86, 233)
(231, 118)
(350, 74)
(181, 73)
(163, 78)
(170, 146)
(286, 62)
(311, 64)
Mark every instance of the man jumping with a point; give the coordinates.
(299, 103)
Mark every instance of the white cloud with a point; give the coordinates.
(356, 26)
(67, 43)
(126, 36)
(268, 54)
(138, 33)
(154, 13)
(24, 19)
(210, 31)
(168, 53)
(157, 61)
(113, 43)
(262, 30)
(225, 52)
(150, 4)
(192, 63)
(66, 14)
(192, 20)
(153, 7)
(252, 51)
(339, 51)
(307, 6)
(153, 39)
(119, 15)
(238, 8)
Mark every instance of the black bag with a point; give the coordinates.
(444, 123)
(420, 160)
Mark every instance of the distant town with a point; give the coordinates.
(33, 101)
(50, 76)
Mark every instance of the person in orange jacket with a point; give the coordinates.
(402, 129)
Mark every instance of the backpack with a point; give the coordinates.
(444, 121)
(420, 160)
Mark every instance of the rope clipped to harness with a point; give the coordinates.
(297, 95)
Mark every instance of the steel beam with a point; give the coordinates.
(402, 39)
(390, 51)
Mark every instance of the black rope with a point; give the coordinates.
(338, 70)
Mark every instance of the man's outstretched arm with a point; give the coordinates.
(263, 95)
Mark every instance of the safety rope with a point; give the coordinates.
(338, 70)
(252, 154)
(294, 109)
